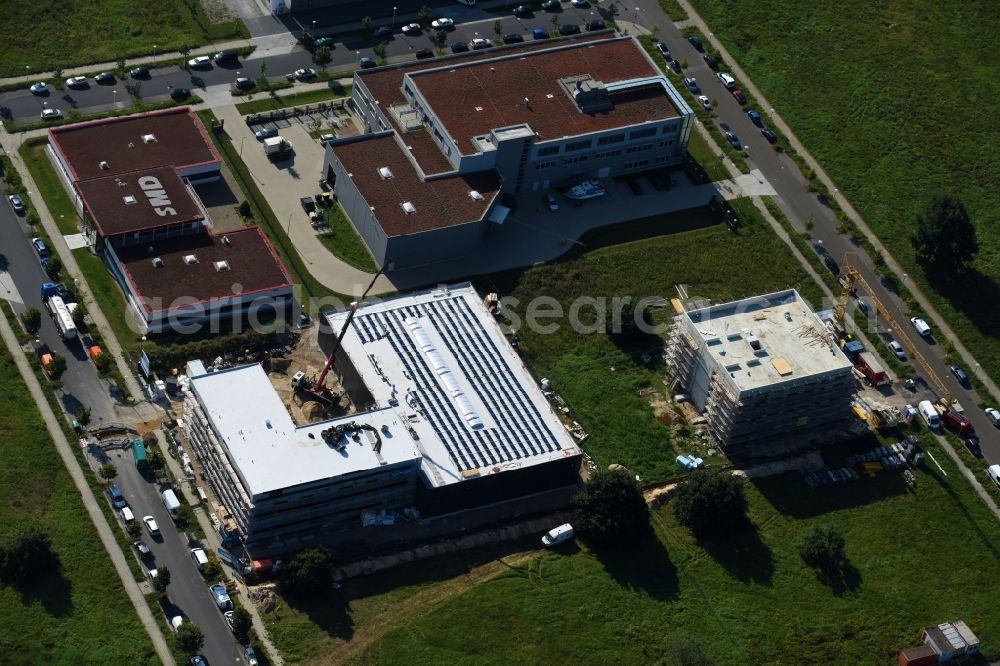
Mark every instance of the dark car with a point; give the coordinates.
(739, 96)
(139, 72)
(664, 51)
(524, 11)
(180, 93)
(512, 38)
(422, 54)
(972, 443)
(244, 83)
(367, 63)
(540, 33)
(675, 66)
(322, 41)
(552, 6)
(104, 77)
(231, 56)
(731, 137)
(16, 204)
(831, 263)
(382, 32)
(754, 117)
(769, 134)
(695, 42)
(710, 60)
(595, 24)
(634, 185)
(959, 374)
(569, 29)
(692, 85)
(459, 47)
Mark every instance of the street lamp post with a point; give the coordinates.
(27, 72)
(242, 139)
(394, 17)
(115, 91)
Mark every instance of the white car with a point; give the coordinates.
(442, 23)
(305, 73)
(898, 350)
(551, 202)
(151, 526)
(480, 43)
(126, 514)
(579, 3)
(39, 88)
(993, 415)
(706, 103)
(74, 81)
(175, 622)
(993, 471)
(51, 114)
(411, 29)
(200, 61)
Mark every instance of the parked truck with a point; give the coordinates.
(56, 298)
(957, 423)
(139, 453)
(277, 148)
(871, 368)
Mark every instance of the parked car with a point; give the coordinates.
(569, 29)
(993, 415)
(675, 67)
(221, 597)
(539, 33)
(898, 350)
(305, 73)
(831, 263)
(972, 443)
(664, 51)
(459, 47)
(411, 29)
(959, 374)
(40, 248)
(105, 77)
(730, 135)
(382, 32)
(727, 80)
(142, 549)
(39, 88)
(200, 62)
(710, 60)
(512, 38)
(557, 535)
(551, 202)
(229, 620)
(16, 204)
(367, 63)
(127, 516)
(151, 526)
(198, 660)
(176, 622)
(993, 471)
(769, 134)
(265, 133)
(691, 84)
(739, 96)
(180, 93)
(705, 102)
(76, 82)
(755, 118)
(921, 326)
(231, 56)
(595, 24)
(524, 11)
(139, 72)
(250, 657)
(423, 54)
(480, 43)
(579, 3)
(552, 6)
(244, 83)
(696, 43)
(443, 24)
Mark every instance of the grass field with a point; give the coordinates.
(344, 242)
(920, 558)
(81, 33)
(886, 156)
(267, 103)
(600, 378)
(81, 614)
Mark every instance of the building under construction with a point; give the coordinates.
(766, 373)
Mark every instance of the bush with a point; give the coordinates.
(32, 318)
(711, 503)
(823, 549)
(309, 572)
(162, 580)
(57, 366)
(242, 623)
(611, 508)
(190, 639)
(108, 471)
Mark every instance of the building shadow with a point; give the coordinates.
(743, 554)
(217, 194)
(642, 565)
(790, 495)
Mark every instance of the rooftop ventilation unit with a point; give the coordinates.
(104, 165)
(476, 196)
(149, 138)
(385, 172)
(158, 262)
(221, 266)
(129, 199)
(190, 259)
(409, 208)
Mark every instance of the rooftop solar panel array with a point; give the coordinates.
(520, 433)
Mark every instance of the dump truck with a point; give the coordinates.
(871, 368)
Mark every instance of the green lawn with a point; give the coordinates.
(267, 103)
(79, 33)
(80, 615)
(889, 157)
(921, 558)
(344, 242)
(599, 378)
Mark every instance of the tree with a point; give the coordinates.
(242, 622)
(263, 68)
(322, 55)
(162, 580)
(79, 314)
(498, 27)
(190, 639)
(711, 503)
(55, 265)
(424, 16)
(308, 572)
(945, 238)
(32, 218)
(32, 318)
(611, 508)
(379, 50)
(612, 11)
(368, 22)
(56, 367)
(28, 555)
(185, 51)
(108, 471)
(823, 550)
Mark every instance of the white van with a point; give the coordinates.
(929, 414)
(921, 326)
(994, 473)
(127, 516)
(727, 79)
(170, 501)
(200, 558)
(557, 535)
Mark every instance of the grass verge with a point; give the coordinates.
(344, 242)
(284, 101)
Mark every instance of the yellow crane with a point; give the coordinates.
(853, 278)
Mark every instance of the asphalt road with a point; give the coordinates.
(25, 107)
(800, 205)
(22, 270)
(188, 592)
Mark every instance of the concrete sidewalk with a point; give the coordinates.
(104, 530)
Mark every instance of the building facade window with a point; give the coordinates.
(545, 165)
(670, 129)
(640, 149)
(608, 140)
(643, 133)
(548, 150)
(577, 145)
(574, 160)
(607, 153)
(668, 142)
(636, 165)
